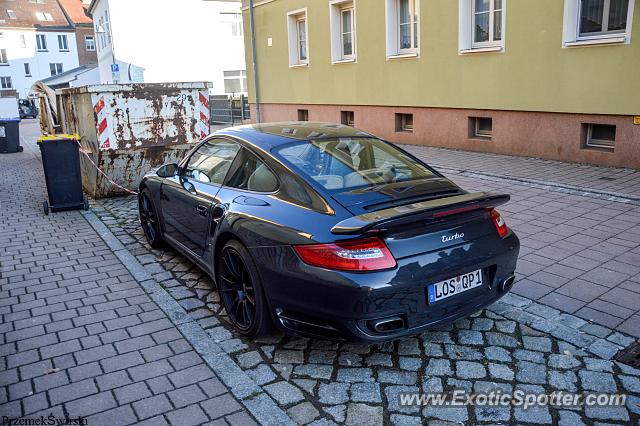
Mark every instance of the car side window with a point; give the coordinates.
(210, 162)
(250, 173)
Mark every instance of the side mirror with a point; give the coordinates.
(168, 170)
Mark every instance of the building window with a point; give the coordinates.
(599, 17)
(588, 22)
(481, 26)
(403, 27)
(63, 45)
(298, 41)
(480, 127)
(41, 42)
(44, 16)
(343, 30)
(600, 136)
(23, 40)
(11, 14)
(89, 43)
(347, 117)
(487, 22)
(233, 21)
(303, 115)
(27, 69)
(235, 81)
(3, 57)
(404, 122)
(5, 83)
(55, 69)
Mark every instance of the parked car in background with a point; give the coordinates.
(327, 231)
(27, 108)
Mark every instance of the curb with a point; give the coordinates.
(252, 396)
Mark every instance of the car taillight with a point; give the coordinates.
(499, 222)
(369, 254)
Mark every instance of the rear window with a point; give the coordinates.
(345, 163)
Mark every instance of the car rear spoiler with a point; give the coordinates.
(426, 210)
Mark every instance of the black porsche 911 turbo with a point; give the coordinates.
(328, 231)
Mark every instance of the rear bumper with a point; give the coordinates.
(339, 305)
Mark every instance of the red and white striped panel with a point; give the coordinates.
(102, 119)
(203, 98)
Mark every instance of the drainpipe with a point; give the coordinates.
(254, 56)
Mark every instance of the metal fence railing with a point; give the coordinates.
(225, 109)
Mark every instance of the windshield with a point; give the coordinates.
(345, 163)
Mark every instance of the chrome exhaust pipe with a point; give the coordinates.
(387, 325)
(507, 283)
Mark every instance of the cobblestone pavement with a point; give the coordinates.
(620, 181)
(78, 334)
(516, 344)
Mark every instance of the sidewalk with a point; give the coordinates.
(582, 177)
(79, 336)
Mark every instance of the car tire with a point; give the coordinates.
(149, 220)
(235, 294)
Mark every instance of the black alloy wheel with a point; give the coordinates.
(240, 291)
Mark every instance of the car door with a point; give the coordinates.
(187, 199)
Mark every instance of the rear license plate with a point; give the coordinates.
(453, 286)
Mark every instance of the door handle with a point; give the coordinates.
(202, 210)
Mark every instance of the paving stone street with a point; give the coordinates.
(96, 323)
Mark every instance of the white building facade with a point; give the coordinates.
(28, 55)
(160, 42)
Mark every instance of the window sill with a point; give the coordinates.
(344, 61)
(480, 138)
(602, 149)
(488, 49)
(4, 64)
(402, 56)
(298, 65)
(64, 51)
(596, 41)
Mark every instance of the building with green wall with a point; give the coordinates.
(556, 79)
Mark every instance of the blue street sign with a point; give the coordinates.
(115, 68)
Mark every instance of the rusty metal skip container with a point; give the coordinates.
(129, 129)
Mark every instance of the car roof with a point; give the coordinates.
(270, 135)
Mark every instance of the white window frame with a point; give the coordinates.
(293, 19)
(11, 14)
(571, 28)
(491, 12)
(56, 66)
(3, 57)
(600, 143)
(23, 41)
(466, 21)
(479, 133)
(63, 43)
(336, 8)
(27, 69)
(241, 76)
(41, 47)
(93, 43)
(9, 80)
(392, 23)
